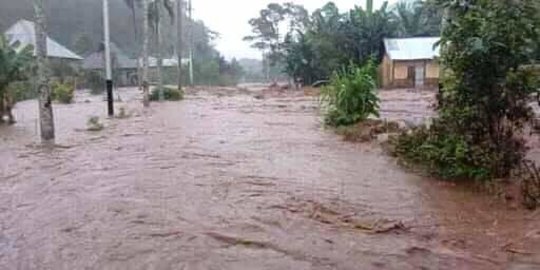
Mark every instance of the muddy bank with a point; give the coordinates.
(231, 181)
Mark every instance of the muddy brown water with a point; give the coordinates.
(224, 180)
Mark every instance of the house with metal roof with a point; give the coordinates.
(410, 63)
(125, 68)
(23, 34)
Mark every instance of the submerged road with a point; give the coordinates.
(224, 180)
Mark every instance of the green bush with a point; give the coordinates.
(483, 105)
(22, 90)
(443, 153)
(351, 96)
(63, 92)
(169, 93)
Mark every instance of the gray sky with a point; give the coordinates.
(230, 18)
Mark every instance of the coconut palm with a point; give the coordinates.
(146, 39)
(154, 15)
(133, 4)
(179, 15)
(417, 19)
(45, 103)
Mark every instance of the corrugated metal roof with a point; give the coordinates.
(421, 48)
(23, 32)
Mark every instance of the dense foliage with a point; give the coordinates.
(483, 105)
(63, 92)
(315, 45)
(217, 71)
(75, 25)
(14, 65)
(351, 96)
(169, 93)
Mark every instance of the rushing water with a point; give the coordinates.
(231, 179)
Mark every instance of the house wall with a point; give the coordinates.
(432, 74)
(401, 70)
(395, 74)
(385, 72)
(432, 69)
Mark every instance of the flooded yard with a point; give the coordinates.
(235, 179)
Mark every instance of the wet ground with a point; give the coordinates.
(235, 179)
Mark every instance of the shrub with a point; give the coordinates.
(444, 154)
(169, 93)
(483, 104)
(22, 90)
(63, 92)
(351, 96)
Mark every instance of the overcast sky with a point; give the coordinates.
(230, 18)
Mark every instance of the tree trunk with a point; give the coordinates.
(191, 43)
(369, 6)
(178, 44)
(136, 33)
(159, 52)
(146, 37)
(46, 118)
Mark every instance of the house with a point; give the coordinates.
(124, 68)
(410, 63)
(22, 34)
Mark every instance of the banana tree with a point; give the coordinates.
(14, 62)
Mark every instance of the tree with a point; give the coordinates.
(178, 18)
(132, 4)
(146, 40)
(155, 14)
(14, 62)
(45, 102)
(417, 19)
(330, 40)
(267, 33)
(484, 101)
(300, 58)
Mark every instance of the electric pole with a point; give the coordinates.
(108, 70)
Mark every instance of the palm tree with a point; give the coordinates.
(146, 39)
(155, 14)
(132, 4)
(417, 19)
(179, 12)
(45, 103)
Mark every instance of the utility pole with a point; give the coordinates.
(108, 70)
(190, 10)
(178, 41)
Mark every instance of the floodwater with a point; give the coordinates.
(234, 179)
